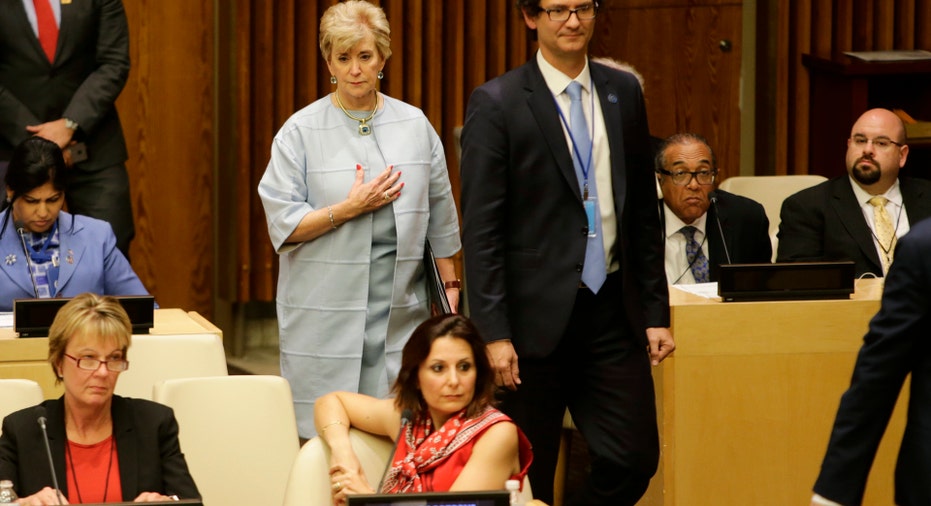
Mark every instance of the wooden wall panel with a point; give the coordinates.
(167, 112)
(827, 28)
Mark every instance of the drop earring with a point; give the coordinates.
(381, 75)
(332, 79)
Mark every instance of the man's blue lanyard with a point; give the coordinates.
(586, 167)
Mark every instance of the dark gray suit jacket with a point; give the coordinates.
(146, 432)
(524, 224)
(90, 69)
(825, 223)
(895, 346)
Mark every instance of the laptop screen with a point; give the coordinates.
(481, 498)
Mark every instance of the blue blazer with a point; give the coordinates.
(90, 262)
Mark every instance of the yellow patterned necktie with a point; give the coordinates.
(884, 231)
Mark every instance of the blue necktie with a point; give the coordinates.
(594, 271)
(698, 262)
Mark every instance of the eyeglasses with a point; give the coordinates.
(682, 177)
(92, 364)
(584, 12)
(879, 143)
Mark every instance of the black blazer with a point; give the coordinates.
(746, 233)
(895, 346)
(524, 224)
(90, 69)
(146, 443)
(825, 223)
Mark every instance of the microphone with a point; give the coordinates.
(32, 276)
(717, 218)
(406, 416)
(48, 452)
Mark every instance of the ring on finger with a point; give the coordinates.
(337, 486)
(386, 195)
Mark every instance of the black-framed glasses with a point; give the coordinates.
(92, 364)
(879, 143)
(584, 12)
(684, 177)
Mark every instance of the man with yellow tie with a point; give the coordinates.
(859, 216)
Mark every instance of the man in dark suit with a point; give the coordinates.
(62, 66)
(555, 170)
(895, 346)
(734, 230)
(842, 219)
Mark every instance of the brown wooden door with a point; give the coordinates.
(692, 84)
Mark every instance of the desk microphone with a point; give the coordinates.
(717, 218)
(32, 275)
(48, 451)
(406, 416)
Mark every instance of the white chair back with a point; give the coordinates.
(16, 394)
(238, 435)
(154, 358)
(770, 191)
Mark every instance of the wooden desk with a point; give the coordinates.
(747, 401)
(28, 358)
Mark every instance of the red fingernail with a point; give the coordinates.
(358, 167)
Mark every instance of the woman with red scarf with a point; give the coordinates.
(455, 440)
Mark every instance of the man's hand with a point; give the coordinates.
(55, 131)
(504, 362)
(661, 343)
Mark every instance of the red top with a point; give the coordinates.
(91, 469)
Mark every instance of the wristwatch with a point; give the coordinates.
(70, 123)
(452, 284)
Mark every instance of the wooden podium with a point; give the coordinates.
(746, 403)
(28, 358)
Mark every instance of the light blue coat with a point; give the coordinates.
(323, 284)
(90, 262)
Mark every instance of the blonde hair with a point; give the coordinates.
(345, 24)
(87, 314)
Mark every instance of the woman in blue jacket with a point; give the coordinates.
(46, 252)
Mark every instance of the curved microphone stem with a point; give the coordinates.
(717, 218)
(32, 275)
(48, 453)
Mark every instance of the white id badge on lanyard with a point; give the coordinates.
(591, 207)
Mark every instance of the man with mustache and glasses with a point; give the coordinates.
(860, 216)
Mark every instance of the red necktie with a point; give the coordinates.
(48, 30)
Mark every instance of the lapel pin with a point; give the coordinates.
(70, 258)
(10, 259)
(612, 98)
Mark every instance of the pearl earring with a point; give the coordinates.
(381, 75)
(332, 79)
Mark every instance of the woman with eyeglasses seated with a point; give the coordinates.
(106, 448)
(455, 440)
(46, 252)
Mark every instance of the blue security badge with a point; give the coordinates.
(591, 208)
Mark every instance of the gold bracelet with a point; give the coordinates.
(327, 426)
(332, 221)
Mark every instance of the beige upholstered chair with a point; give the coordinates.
(16, 394)
(238, 434)
(310, 478)
(154, 358)
(770, 191)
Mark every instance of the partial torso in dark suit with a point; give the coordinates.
(895, 346)
(150, 458)
(825, 223)
(90, 69)
(746, 233)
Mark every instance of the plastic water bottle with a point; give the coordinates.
(513, 487)
(7, 495)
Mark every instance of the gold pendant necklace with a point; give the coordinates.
(363, 128)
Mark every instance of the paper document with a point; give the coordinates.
(899, 55)
(706, 290)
